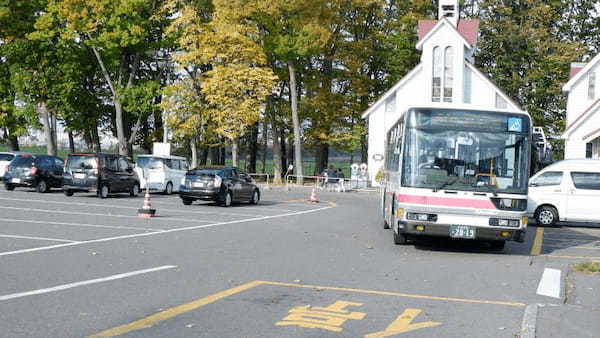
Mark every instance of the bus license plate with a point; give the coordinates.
(462, 231)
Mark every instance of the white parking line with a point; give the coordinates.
(82, 283)
(79, 224)
(183, 211)
(8, 253)
(550, 283)
(39, 238)
(105, 215)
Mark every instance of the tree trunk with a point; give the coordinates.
(222, 155)
(296, 122)
(204, 155)
(122, 139)
(96, 138)
(265, 146)
(364, 149)
(283, 149)
(234, 153)
(321, 157)
(252, 150)
(194, 151)
(214, 155)
(71, 142)
(45, 117)
(14, 142)
(277, 168)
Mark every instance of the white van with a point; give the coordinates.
(565, 191)
(161, 173)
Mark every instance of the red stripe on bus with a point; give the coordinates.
(446, 202)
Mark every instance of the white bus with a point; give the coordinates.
(457, 173)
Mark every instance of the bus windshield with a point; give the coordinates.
(466, 150)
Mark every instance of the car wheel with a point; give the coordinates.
(546, 215)
(68, 193)
(187, 201)
(169, 189)
(497, 245)
(9, 187)
(255, 197)
(42, 186)
(103, 191)
(228, 200)
(135, 190)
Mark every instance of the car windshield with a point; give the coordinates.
(22, 161)
(6, 157)
(82, 161)
(150, 163)
(470, 151)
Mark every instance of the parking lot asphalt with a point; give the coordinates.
(80, 266)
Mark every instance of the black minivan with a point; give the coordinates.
(102, 173)
(41, 172)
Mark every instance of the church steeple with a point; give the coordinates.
(450, 10)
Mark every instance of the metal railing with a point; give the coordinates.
(316, 180)
(266, 176)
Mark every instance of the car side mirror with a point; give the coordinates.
(533, 184)
(129, 170)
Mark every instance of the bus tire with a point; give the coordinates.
(498, 245)
(399, 239)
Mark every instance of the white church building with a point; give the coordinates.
(445, 77)
(582, 132)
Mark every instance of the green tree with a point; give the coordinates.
(522, 50)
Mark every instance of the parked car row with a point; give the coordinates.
(110, 173)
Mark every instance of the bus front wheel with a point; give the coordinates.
(399, 239)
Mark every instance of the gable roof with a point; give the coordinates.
(588, 112)
(580, 74)
(493, 85)
(392, 90)
(468, 29)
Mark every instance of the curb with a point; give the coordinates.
(529, 321)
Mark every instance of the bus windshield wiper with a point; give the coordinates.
(445, 184)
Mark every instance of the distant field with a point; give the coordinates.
(309, 166)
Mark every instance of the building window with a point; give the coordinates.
(501, 102)
(437, 75)
(588, 150)
(592, 86)
(390, 103)
(448, 74)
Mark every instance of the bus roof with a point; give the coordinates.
(454, 106)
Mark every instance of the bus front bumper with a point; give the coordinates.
(444, 230)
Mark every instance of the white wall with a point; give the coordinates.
(574, 144)
(578, 100)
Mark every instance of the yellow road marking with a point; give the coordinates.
(174, 311)
(536, 248)
(194, 305)
(396, 294)
(592, 259)
(403, 324)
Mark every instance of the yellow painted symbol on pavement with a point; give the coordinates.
(403, 324)
(329, 318)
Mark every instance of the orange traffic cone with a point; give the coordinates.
(313, 196)
(146, 211)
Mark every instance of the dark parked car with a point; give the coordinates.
(102, 173)
(223, 185)
(39, 171)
